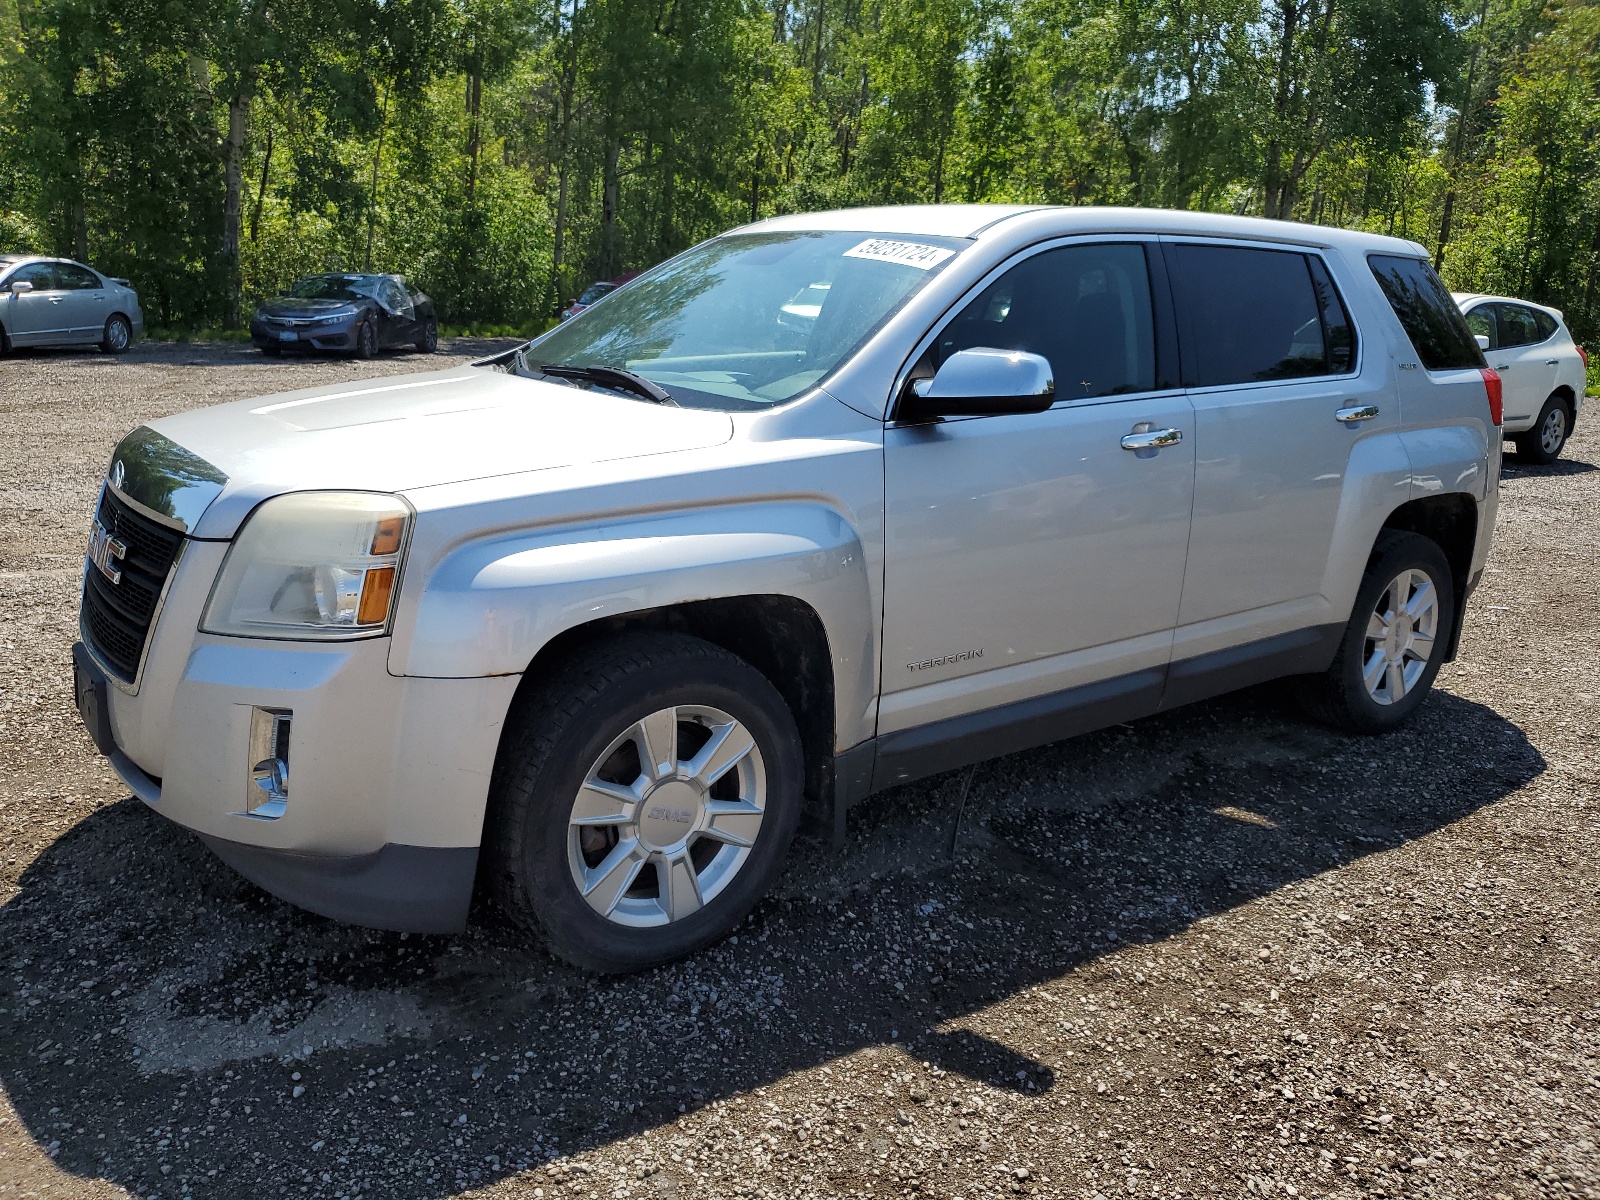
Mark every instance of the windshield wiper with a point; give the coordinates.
(612, 377)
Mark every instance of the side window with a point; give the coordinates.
(1337, 331)
(72, 277)
(1250, 315)
(1547, 324)
(1518, 326)
(1085, 308)
(1437, 330)
(393, 296)
(41, 275)
(1482, 324)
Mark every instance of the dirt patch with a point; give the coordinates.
(1218, 953)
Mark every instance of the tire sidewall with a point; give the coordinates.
(576, 930)
(1416, 552)
(1530, 445)
(108, 344)
(429, 341)
(366, 341)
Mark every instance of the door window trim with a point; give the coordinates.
(1500, 305)
(1358, 360)
(1165, 341)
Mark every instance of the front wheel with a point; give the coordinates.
(117, 336)
(1543, 444)
(643, 801)
(1394, 643)
(366, 341)
(428, 339)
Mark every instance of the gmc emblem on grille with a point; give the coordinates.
(106, 551)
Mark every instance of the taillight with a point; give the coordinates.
(1584, 354)
(1491, 384)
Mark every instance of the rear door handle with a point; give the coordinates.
(1552, 362)
(1356, 413)
(1151, 439)
(1503, 367)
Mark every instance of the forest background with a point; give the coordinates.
(504, 153)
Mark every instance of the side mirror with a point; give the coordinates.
(21, 285)
(982, 382)
(1482, 339)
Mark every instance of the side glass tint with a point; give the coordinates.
(41, 275)
(1518, 326)
(1337, 332)
(1248, 315)
(1437, 330)
(1547, 324)
(1482, 324)
(71, 277)
(1085, 308)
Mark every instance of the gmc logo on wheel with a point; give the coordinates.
(106, 551)
(662, 813)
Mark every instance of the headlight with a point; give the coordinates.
(312, 565)
(336, 319)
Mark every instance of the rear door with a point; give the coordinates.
(1032, 555)
(35, 318)
(1272, 365)
(1526, 362)
(84, 306)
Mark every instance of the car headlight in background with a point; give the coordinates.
(322, 565)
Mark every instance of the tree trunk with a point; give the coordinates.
(474, 132)
(261, 191)
(610, 202)
(233, 160)
(1275, 184)
(372, 192)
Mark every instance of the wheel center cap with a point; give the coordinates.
(670, 811)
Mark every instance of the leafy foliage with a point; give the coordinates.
(503, 153)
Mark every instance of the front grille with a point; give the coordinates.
(117, 616)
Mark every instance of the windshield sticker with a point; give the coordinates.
(907, 254)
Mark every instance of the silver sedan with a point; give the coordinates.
(58, 302)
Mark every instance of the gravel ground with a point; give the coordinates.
(1218, 953)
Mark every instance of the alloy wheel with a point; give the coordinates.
(666, 816)
(1401, 634)
(1553, 432)
(117, 334)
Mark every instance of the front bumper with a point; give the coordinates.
(387, 784)
(330, 337)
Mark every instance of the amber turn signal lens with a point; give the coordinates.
(375, 592)
(387, 539)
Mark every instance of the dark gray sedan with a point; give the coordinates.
(58, 302)
(358, 314)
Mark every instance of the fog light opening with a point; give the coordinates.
(267, 790)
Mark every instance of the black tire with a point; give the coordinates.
(367, 340)
(428, 339)
(1543, 444)
(557, 734)
(1340, 696)
(117, 337)
(5, 342)
(272, 351)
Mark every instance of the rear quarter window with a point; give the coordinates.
(1437, 330)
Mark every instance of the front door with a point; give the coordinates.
(1032, 561)
(35, 318)
(1270, 358)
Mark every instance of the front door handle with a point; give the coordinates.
(1151, 439)
(1356, 413)
(1503, 367)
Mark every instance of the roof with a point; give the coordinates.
(1463, 299)
(975, 220)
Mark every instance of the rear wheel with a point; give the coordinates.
(643, 801)
(1543, 443)
(1394, 643)
(117, 336)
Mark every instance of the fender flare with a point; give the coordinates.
(490, 605)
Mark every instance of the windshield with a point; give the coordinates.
(594, 291)
(334, 287)
(747, 321)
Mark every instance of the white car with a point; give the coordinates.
(597, 621)
(1543, 372)
(58, 302)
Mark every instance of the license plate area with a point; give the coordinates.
(287, 335)
(90, 694)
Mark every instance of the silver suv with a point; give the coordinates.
(818, 507)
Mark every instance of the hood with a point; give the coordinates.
(391, 435)
(289, 306)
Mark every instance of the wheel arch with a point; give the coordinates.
(1450, 521)
(781, 636)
